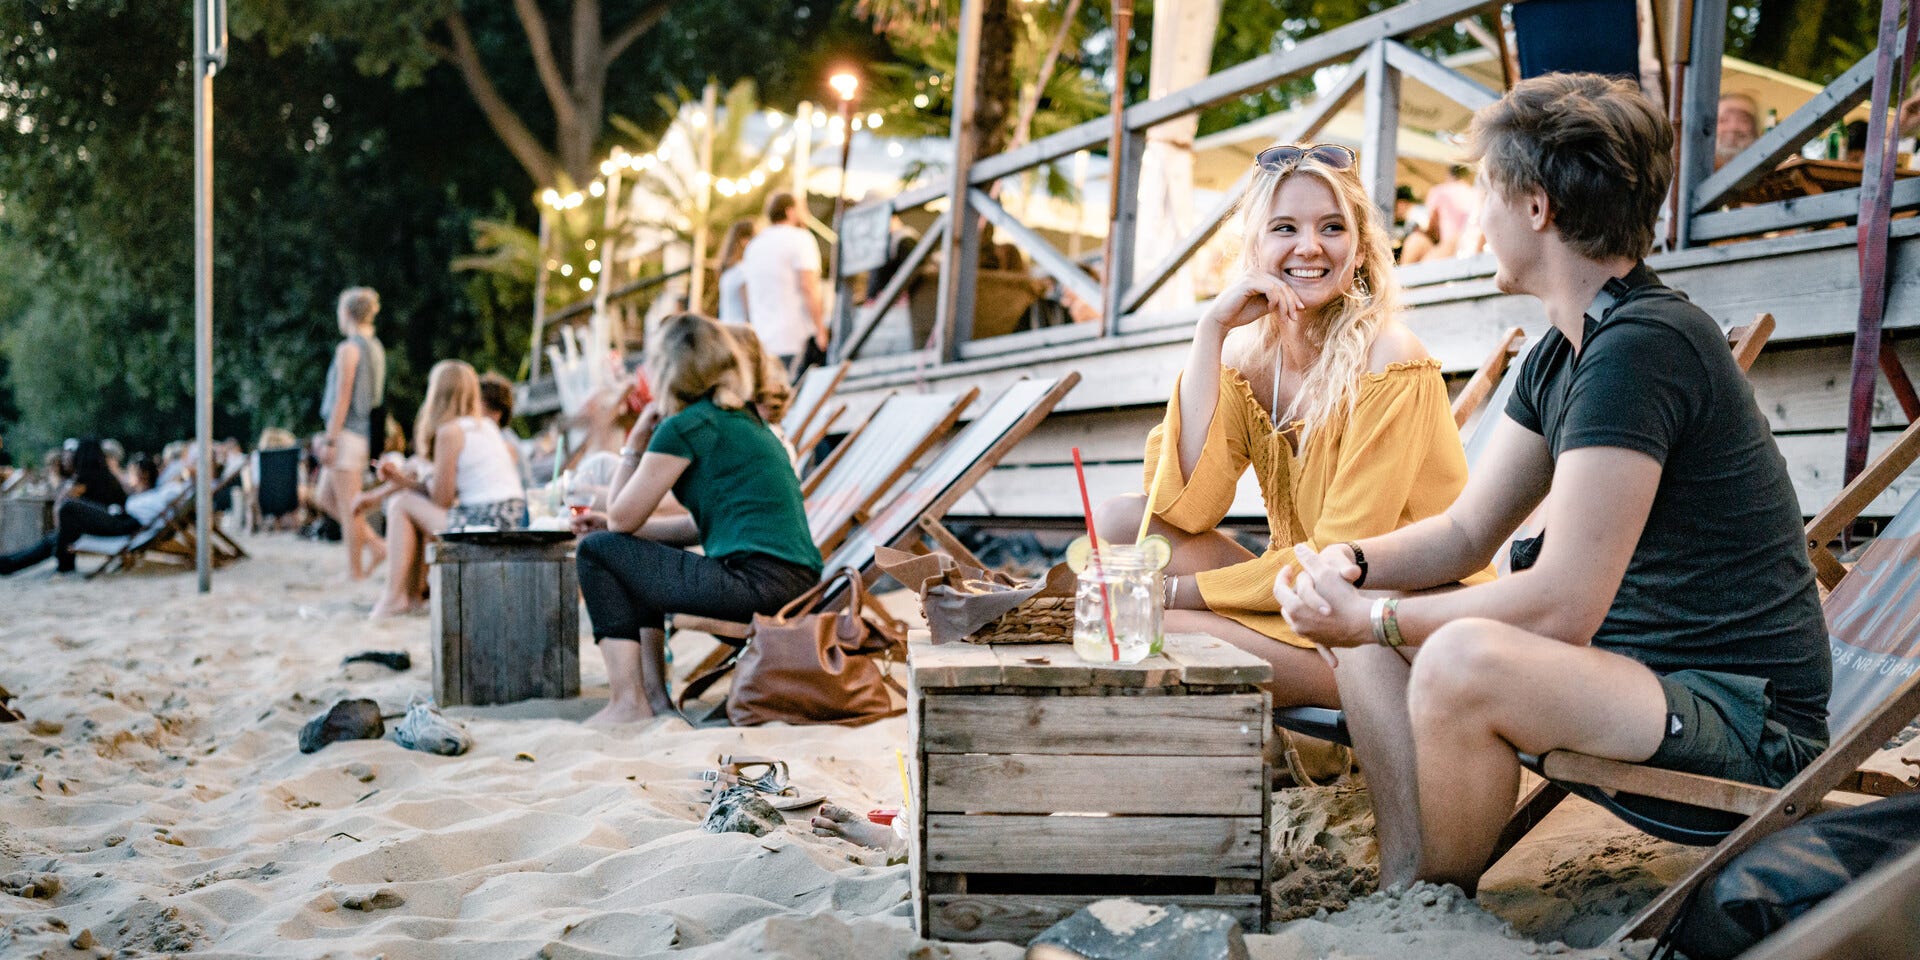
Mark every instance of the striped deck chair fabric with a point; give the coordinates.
(903, 429)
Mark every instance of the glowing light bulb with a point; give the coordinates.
(586, 283)
(920, 100)
(591, 244)
(873, 121)
(566, 269)
(593, 266)
(776, 164)
(597, 188)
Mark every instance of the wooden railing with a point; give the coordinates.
(1375, 50)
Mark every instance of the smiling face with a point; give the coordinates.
(1307, 241)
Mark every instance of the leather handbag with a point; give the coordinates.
(803, 665)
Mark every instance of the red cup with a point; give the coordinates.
(883, 817)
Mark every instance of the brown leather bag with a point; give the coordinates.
(816, 667)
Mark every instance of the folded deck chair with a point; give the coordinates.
(809, 397)
(916, 505)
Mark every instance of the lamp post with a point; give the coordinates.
(846, 85)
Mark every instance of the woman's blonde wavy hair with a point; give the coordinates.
(1346, 329)
(770, 389)
(453, 391)
(690, 356)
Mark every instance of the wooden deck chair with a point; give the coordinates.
(7, 713)
(1492, 372)
(810, 395)
(904, 428)
(170, 533)
(803, 447)
(915, 506)
(814, 476)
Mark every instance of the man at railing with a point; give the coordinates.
(784, 302)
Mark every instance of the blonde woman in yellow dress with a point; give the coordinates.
(1301, 371)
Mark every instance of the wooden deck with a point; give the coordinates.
(1809, 282)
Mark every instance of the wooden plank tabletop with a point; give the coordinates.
(1188, 658)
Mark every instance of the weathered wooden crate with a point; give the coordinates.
(1043, 783)
(506, 622)
(24, 521)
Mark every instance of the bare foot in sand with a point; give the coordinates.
(388, 607)
(838, 821)
(616, 712)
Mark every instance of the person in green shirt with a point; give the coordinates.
(702, 440)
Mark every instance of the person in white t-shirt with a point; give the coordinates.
(785, 304)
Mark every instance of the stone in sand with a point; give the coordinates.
(382, 900)
(33, 886)
(741, 810)
(1125, 930)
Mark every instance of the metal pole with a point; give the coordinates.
(1111, 291)
(539, 293)
(209, 37)
(802, 150)
(703, 201)
(604, 338)
(840, 196)
(960, 249)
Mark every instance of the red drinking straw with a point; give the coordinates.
(1093, 543)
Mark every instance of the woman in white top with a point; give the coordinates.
(733, 279)
(474, 483)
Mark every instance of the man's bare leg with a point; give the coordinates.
(1373, 692)
(1481, 690)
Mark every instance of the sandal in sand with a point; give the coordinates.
(763, 775)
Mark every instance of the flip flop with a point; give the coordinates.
(346, 720)
(391, 659)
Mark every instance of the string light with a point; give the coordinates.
(920, 100)
(586, 283)
(566, 269)
(590, 243)
(598, 188)
(593, 266)
(873, 121)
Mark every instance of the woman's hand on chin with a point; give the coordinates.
(1252, 296)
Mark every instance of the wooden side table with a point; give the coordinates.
(506, 622)
(1043, 782)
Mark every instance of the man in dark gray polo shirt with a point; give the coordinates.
(1669, 615)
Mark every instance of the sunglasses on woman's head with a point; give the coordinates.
(1281, 158)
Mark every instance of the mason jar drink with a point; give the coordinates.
(1120, 591)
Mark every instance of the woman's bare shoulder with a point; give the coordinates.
(1394, 344)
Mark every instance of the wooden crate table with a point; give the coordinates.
(1043, 782)
(506, 622)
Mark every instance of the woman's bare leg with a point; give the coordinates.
(1118, 519)
(626, 686)
(411, 520)
(342, 487)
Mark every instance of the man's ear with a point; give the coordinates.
(1539, 208)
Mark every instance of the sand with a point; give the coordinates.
(157, 786)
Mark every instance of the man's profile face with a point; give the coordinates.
(1506, 222)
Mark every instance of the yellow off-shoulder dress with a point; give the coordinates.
(1396, 458)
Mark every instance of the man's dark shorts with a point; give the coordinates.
(1724, 725)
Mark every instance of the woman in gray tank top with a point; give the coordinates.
(356, 388)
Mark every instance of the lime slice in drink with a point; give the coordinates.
(1080, 553)
(1155, 550)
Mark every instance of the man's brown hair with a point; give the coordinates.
(778, 205)
(1599, 149)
